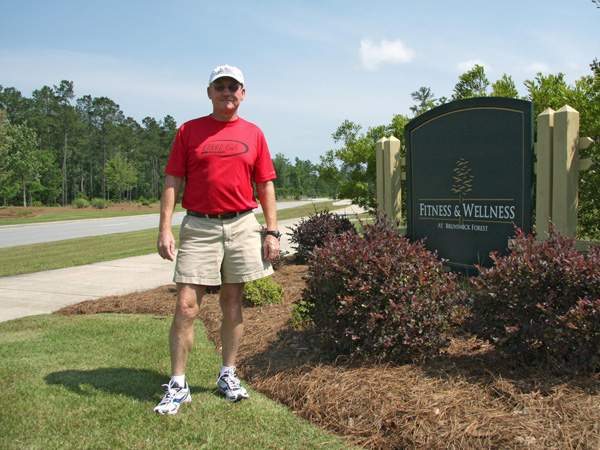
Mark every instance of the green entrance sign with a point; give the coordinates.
(469, 177)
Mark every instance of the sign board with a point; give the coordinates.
(469, 177)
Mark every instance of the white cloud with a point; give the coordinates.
(373, 55)
(464, 66)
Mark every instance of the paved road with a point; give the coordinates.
(44, 292)
(11, 235)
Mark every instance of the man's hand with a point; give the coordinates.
(166, 242)
(166, 245)
(270, 248)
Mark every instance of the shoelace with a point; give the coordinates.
(232, 381)
(169, 394)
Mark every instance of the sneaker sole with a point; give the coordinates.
(188, 399)
(238, 398)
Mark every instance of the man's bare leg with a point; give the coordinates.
(181, 338)
(232, 327)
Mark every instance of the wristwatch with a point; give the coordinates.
(275, 233)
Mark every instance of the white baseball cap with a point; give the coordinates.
(226, 71)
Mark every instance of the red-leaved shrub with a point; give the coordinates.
(542, 302)
(315, 230)
(379, 295)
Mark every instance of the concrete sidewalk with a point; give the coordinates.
(45, 292)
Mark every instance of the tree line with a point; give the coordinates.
(355, 154)
(55, 148)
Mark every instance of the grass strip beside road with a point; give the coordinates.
(301, 211)
(91, 382)
(75, 252)
(21, 216)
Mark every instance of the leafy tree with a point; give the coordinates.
(4, 123)
(505, 87)
(396, 126)
(330, 177)
(14, 104)
(547, 91)
(7, 190)
(120, 175)
(283, 168)
(152, 149)
(358, 162)
(584, 96)
(425, 100)
(472, 83)
(22, 160)
(440, 101)
(303, 177)
(43, 116)
(67, 123)
(356, 159)
(46, 187)
(107, 116)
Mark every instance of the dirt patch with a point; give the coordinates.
(468, 398)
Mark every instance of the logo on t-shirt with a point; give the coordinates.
(224, 148)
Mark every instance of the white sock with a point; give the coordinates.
(178, 379)
(226, 369)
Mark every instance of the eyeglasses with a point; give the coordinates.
(232, 87)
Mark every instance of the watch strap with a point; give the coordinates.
(275, 233)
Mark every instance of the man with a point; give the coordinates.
(221, 243)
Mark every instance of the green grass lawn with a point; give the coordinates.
(74, 252)
(90, 382)
(31, 215)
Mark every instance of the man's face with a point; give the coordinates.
(226, 95)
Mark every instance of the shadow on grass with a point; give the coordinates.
(140, 384)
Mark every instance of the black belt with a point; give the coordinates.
(222, 216)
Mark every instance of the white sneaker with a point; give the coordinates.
(229, 385)
(174, 397)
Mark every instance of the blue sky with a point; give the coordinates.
(308, 64)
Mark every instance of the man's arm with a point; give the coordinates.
(266, 196)
(166, 241)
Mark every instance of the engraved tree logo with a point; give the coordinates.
(462, 180)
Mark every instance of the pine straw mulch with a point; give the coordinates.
(470, 397)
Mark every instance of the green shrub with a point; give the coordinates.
(37, 203)
(81, 202)
(301, 314)
(380, 295)
(144, 201)
(262, 292)
(541, 303)
(315, 230)
(99, 203)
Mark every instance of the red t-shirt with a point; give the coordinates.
(219, 161)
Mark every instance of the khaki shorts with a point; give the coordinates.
(215, 251)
